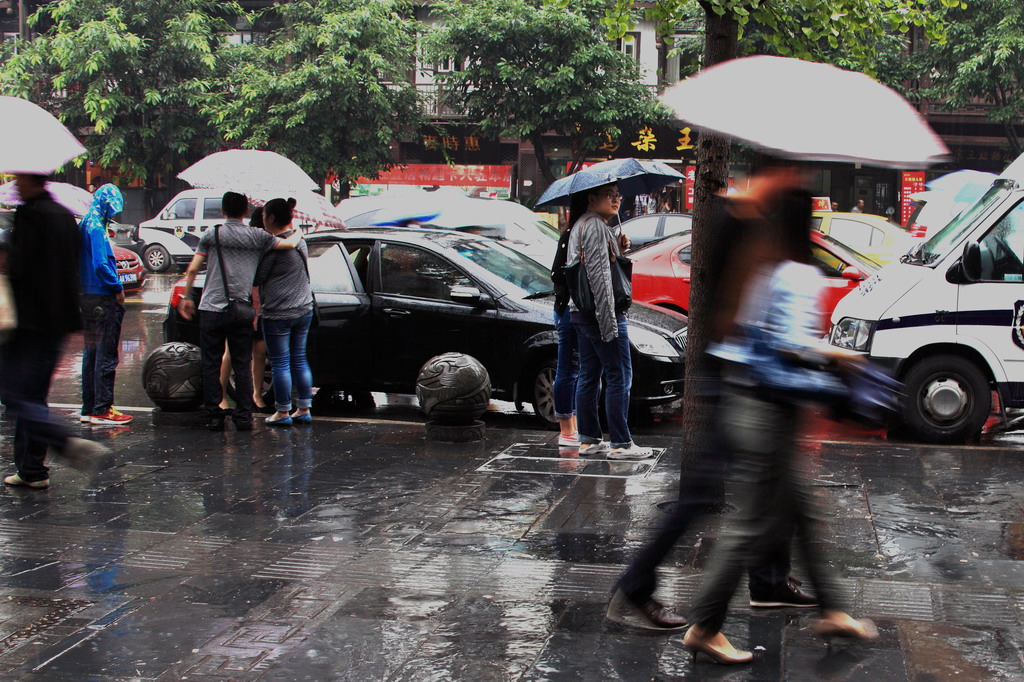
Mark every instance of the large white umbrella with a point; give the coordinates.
(806, 110)
(71, 197)
(35, 141)
(249, 171)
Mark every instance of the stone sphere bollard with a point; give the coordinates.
(454, 390)
(173, 377)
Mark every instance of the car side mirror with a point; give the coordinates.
(853, 274)
(165, 215)
(970, 262)
(465, 294)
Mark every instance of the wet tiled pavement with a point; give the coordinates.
(353, 550)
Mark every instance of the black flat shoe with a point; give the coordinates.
(651, 615)
(243, 425)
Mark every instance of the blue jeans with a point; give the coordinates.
(610, 359)
(102, 317)
(29, 359)
(568, 367)
(286, 349)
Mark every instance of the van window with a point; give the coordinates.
(938, 246)
(1003, 247)
(211, 209)
(182, 209)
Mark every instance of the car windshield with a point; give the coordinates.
(863, 262)
(946, 238)
(528, 276)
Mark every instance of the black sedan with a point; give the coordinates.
(390, 299)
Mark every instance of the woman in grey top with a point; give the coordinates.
(287, 312)
(603, 337)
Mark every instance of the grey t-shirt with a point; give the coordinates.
(243, 247)
(285, 293)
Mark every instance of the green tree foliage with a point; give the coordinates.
(983, 59)
(130, 75)
(528, 67)
(328, 89)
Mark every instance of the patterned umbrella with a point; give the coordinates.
(71, 197)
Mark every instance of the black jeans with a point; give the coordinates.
(29, 359)
(214, 330)
(102, 317)
(773, 501)
(697, 496)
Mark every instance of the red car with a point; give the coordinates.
(661, 271)
(129, 270)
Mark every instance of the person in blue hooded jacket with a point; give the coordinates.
(102, 303)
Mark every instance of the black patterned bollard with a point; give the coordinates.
(454, 390)
(173, 379)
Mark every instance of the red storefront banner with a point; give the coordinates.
(442, 174)
(911, 182)
(691, 177)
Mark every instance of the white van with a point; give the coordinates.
(947, 319)
(188, 214)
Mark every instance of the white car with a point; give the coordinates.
(507, 221)
(163, 250)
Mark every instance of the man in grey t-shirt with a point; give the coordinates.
(235, 262)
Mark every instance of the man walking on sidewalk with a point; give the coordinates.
(42, 265)
(102, 304)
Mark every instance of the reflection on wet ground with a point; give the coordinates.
(354, 550)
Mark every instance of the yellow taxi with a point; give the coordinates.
(871, 235)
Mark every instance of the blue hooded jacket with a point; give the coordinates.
(97, 266)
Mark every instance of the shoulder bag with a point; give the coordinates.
(239, 311)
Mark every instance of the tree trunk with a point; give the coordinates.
(542, 159)
(712, 177)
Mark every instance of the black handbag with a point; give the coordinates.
(579, 284)
(239, 312)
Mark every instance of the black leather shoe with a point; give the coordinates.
(215, 423)
(652, 614)
(243, 425)
(787, 594)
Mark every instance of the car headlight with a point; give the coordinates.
(651, 343)
(852, 334)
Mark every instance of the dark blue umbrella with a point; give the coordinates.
(633, 177)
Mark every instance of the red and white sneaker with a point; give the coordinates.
(85, 418)
(570, 441)
(111, 417)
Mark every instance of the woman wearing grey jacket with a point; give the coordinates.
(603, 337)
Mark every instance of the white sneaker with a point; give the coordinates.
(571, 441)
(633, 451)
(594, 448)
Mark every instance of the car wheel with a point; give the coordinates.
(156, 258)
(543, 393)
(948, 399)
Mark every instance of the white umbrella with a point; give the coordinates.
(805, 110)
(35, 142)
(248, 171)
(71, 197)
